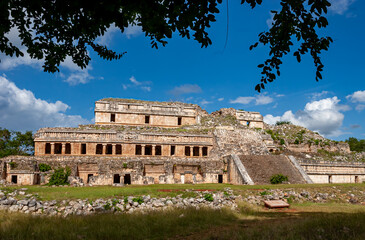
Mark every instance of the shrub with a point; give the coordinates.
(296, 141)
(125, 165)
(278, 123)
(44, 167)
(60, 176)
(278, 178)
(138, 199)
(13, 165)
(282, 141)
(209, 197)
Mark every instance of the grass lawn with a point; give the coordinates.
(163, 190)
(305, 221)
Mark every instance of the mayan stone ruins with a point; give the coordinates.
(144, 142)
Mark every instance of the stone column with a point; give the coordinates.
(63, 148)
(104, 149)
(114, 150)
(200, 151)
(191, 151)
(52, 148)
(143, 150)
(153, 150)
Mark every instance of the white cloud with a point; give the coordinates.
(340, 6)
(220, 99)
(318, 95)
(21, 110)
(323, 116)
(261, 99)
(137, 84)
(358, 96)
(185, 89)
(107, 38)
(133, 31)
(76, 74)
(205, 102)
(270, 21)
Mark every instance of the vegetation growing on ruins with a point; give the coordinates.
(60, 176)
(15, 143)
(278, 179)
(44, 167)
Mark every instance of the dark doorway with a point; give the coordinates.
(179, 121)
(205, 151)
(127, 179)
(147, 119)
(329, 179)
(88, 177)
(356, 179)
(138, 150)
(220, 178)
(148, 150)
(158, 150)
(48, 148)
(109, 149)
(14, 179)
(116, 178)
(187, 151)
(118, 149)
(83, 148)
(58, 148)
(196, 151)
(37, 179)
(112, 117)
(68, 148)
(99, 149)
(172, 151)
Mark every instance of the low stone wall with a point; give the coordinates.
(128, 204)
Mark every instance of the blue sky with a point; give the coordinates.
(213, 77)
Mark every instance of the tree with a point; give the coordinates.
(15, 143)
(54, 29)
(356, 145)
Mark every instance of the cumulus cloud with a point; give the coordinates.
(324, 116)
(359, 98)
(131, 31)
(318, 95)
(220, 99)
(185, 89)
(261, 99)
(21, 110)
(133, 83)
(340, 6)
(76, 74)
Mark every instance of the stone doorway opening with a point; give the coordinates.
(127, 179)
(357, 179)
(220, 178)
(116, 178)
(14, 179)
(89, 176)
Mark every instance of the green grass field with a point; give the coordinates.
(163, 190)
(301, 221)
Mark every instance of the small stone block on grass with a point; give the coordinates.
(276, 204)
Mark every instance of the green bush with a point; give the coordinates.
(282, 141)
(60, 176)
(278, 179)
(209, 197)
(278, 123)
(13, 165)
(138, 199)
(44, 167)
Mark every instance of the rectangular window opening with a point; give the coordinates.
(68, 148)
(172, 150)
(116, 178)
(48, 148)
(99, 149)
(148, 150)
(196, 151)
(187, 151)
(179, 121)
(205, 151)
(147, 119)
(57, 148)
(112, 117)
(89, 176)
(83, 148)
(109, 149)
(138, 150)
(118, 149)
(158, 150)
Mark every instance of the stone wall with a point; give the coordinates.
(334, 172)
(136, 112)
